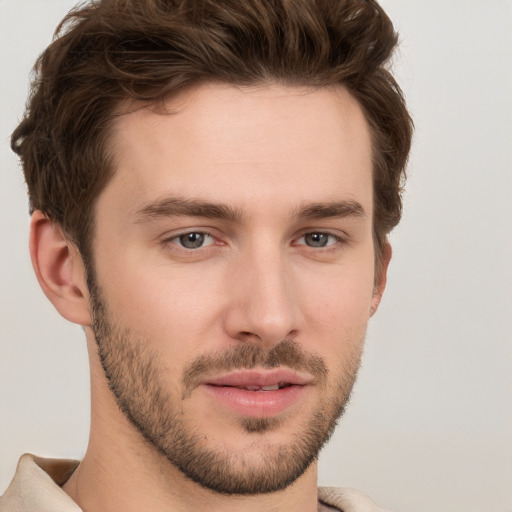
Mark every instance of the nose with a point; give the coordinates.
(263, 307)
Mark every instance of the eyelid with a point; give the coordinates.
(207, 240)
(170, 237)
(339, 236)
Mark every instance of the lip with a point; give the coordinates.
(230, 391)
(246, 378)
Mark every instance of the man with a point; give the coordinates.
(212, 184)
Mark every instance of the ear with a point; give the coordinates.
(380, 282)
(59, 269)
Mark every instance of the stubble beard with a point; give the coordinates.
(134, 375)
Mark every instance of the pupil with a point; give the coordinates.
(192, 240)
(316, 239)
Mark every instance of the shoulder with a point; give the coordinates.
(347, 499)
(36, 486)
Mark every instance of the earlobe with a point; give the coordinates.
(59, 269)
(380, 282)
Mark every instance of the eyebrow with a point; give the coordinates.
(316, 211)
(176, 206)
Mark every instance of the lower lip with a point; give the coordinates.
(256, 404)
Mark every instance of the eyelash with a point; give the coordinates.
(337, 239)
(172, 239)
(328, 247)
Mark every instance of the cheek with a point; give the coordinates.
(168, 304)
(162, 302)
(338, 310)
(340, 299)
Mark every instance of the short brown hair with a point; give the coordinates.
(109, 51)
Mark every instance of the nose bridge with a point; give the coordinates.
(264, 304)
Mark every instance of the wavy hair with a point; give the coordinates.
(108, 51)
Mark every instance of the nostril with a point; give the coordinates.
(248, 336)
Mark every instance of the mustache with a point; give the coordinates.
(286, 353)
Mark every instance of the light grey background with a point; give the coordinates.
(430, 424)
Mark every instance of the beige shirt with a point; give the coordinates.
(36, 487)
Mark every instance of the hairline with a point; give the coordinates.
(129, 105)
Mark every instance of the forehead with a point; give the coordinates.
(223, 143)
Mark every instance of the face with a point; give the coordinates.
(234, 277)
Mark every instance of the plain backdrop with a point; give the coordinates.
(430, 423)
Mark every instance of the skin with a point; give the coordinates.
(266, 153)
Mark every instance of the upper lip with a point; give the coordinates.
(259, 378)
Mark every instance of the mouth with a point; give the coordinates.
(257, 394)
(272, 387)
(260, 380)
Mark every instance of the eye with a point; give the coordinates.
(318, 239)
(193, 240)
